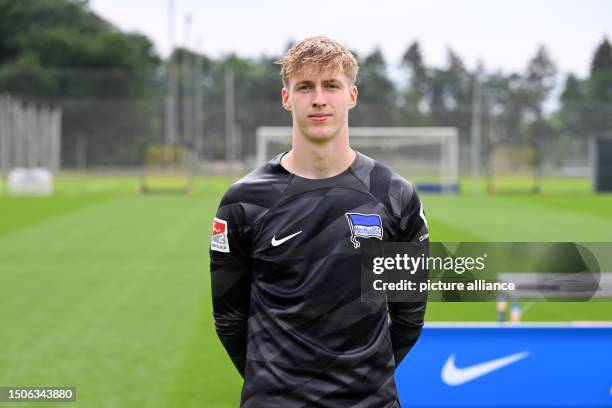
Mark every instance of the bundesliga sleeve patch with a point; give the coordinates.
(219, 241)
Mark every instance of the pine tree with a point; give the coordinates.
(418, 77)
(572, 107)
(599, 111)
(539, 81)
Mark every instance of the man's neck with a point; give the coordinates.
(317, 160)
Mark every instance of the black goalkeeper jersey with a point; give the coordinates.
(285, 270)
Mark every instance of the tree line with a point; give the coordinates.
(112, 87)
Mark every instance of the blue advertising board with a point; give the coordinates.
(501, 365)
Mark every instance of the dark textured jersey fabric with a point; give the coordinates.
(290, 314)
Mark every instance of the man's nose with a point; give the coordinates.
(319, 97)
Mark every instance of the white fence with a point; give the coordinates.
(30, 135)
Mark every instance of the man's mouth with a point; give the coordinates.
(320, 116)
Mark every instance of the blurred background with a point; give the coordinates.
(123, 122)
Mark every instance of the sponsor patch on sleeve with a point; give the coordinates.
(219, 241)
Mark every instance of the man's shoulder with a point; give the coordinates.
(399, 196)
(260, 187)
(384, 183)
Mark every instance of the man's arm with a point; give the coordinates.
(407, 317)
(405, 327)
(230, 282)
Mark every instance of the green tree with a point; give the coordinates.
(257, 88)
(418, 84)
(573, 99)
(60, 48)
(450, 94)
(377, 94)
(503, 106)
(459, 83)
(105, 81)
(539, 80)
(437, 97)
(599, 110)
(18, 19)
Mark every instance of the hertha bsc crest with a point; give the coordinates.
(364, 226)
(219, 241)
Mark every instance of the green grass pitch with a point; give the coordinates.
(108, 291)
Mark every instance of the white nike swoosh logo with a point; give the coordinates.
(453, 375)
(277, 242)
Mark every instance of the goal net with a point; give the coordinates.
(167, 169)
(427, 156)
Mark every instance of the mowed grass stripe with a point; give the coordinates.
(497, 219)
(568, 311)
(591, 205)
(107, 300)
(444, 231)
(207, 376)
(20, 212)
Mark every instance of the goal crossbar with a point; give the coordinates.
(446, 137)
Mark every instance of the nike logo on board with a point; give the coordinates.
(277, 242)
(453, 375)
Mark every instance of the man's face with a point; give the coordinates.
(319, 102)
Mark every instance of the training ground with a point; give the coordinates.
(107, 290)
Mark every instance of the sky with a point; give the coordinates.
(502, 34)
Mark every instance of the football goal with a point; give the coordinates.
(427, 156)
(515, 169)
(167, 169)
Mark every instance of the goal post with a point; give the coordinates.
(427, 156)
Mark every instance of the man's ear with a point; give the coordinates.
(285, 99)
(353, 97)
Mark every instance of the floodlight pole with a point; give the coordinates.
(170, 135)
(475, 137)
(199, 101)
(187, 87)
(56, 139)
(4, 140)
(230, 118)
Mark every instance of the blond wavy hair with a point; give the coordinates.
(320, 53)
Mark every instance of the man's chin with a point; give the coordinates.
(319, 137)
(320, 134)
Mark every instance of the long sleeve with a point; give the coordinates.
(230, 282)
(407, 318)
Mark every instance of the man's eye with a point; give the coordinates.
(332, 86)
(303, 87)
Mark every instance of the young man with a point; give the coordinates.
(285, 254)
